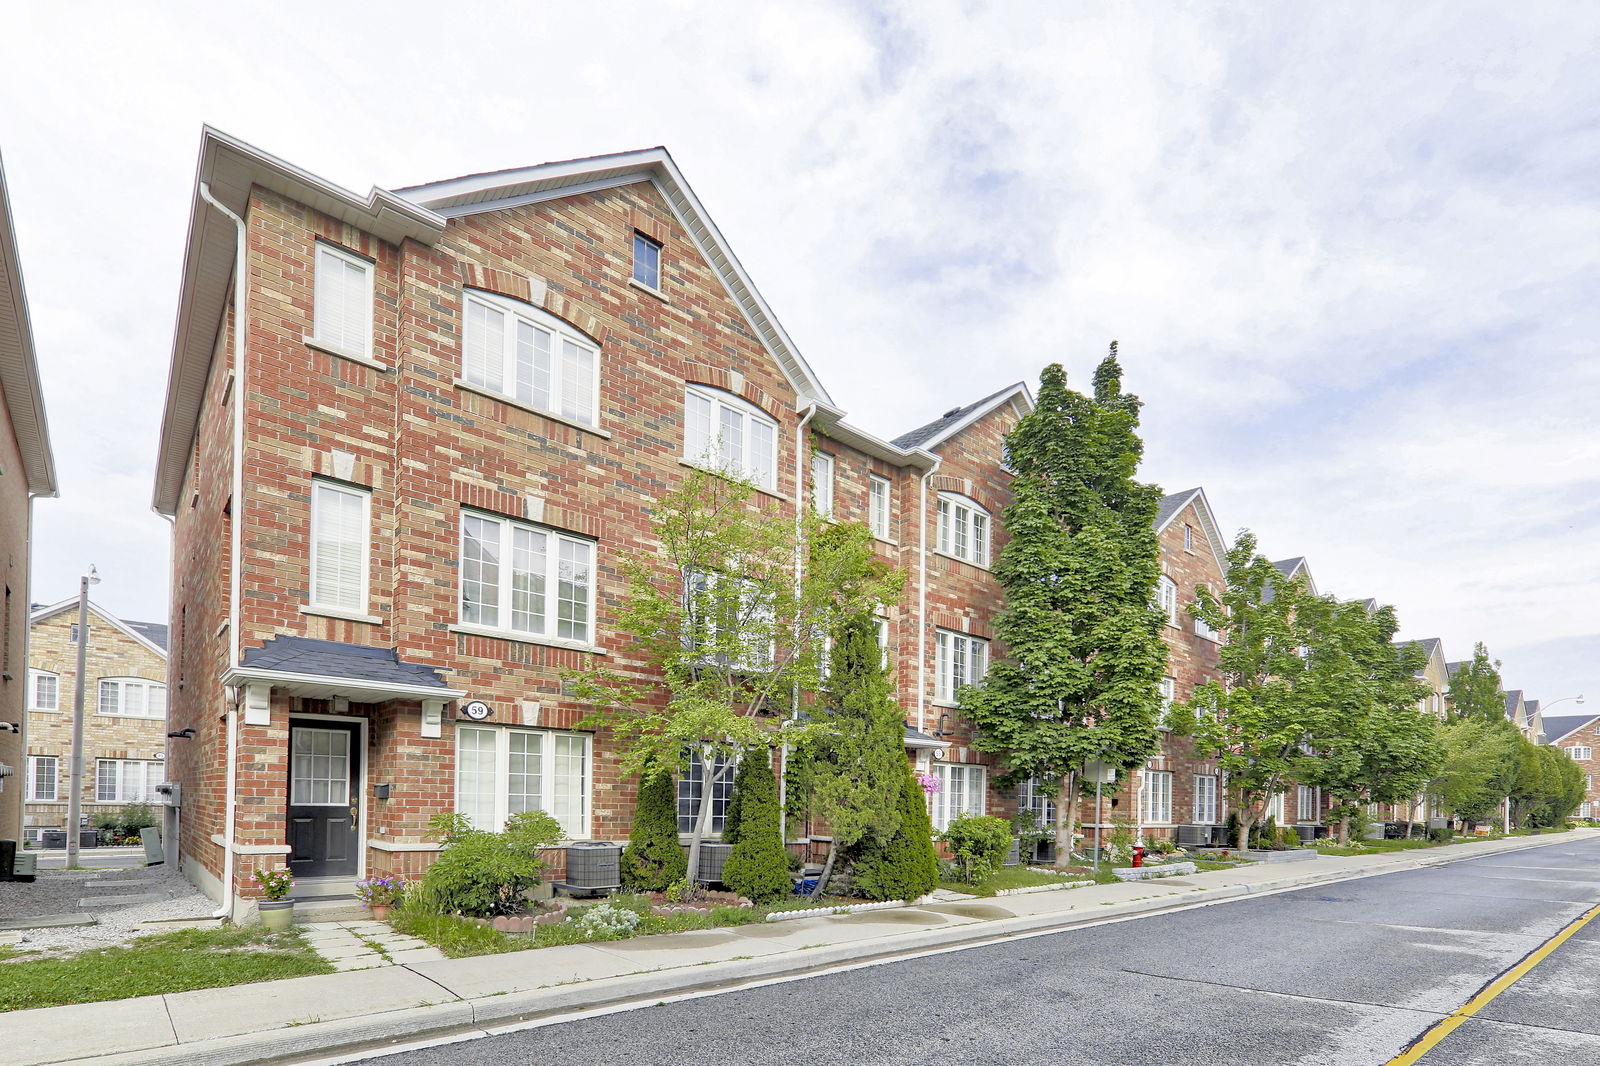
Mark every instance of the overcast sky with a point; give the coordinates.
(1349, 250)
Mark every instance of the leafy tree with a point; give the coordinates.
(1085, 658)
(1475, 689)
(730, 624)
(1548, 786)
(902, 865)
(758, 865)
(1479, 768)
(653, 860)
(1259, 719)
(853, 764)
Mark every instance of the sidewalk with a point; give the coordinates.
(372, 1007)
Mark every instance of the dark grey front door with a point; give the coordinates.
(324, 794)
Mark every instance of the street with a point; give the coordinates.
(1342, 975)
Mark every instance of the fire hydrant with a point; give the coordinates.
(1138, 855)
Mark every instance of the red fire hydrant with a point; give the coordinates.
(1138, 855)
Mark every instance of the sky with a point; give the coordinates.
(1349, 251)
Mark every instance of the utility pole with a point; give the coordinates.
(75, 766)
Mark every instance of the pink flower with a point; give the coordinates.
(930, 784)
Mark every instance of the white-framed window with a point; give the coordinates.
(725, 434)
(1584, 809)
(1039, 799)
(646, 260)
(341, 524)
(692, 783)
(1169, 695)
(961, 791)
(523, 578)
(342, 317)
(960, 660)
(72, 633)
(1205, 799)
(1156, 798)
(502, 771)
(1275, 808)
(963, 529)
(44, 690)
(133, 697)
(126, 780)
(42, 785)
(1202, 628)
(881, 625)
(1579, 751)
(1588, 782)
(880, 496)
(1308, 805)
(319, 767)
(1167, 599)
(822, 483)
(517, 350)
(1188, 538)
(727, 617)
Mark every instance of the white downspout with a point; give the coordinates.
(799, 561)
(240, 294)
(922, 598)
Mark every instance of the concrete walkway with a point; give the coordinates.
(364, 945)
(410, 999)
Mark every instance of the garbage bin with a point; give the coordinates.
(87, 838)
(53, 839)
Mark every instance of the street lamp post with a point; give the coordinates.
(75, 765)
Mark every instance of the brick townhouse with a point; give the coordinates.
(1579, 736)
(124, 712)
(27, 470)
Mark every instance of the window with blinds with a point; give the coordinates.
(340, 517)
(515, 349)
(133, 697)
(342, 318)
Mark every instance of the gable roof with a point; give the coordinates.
(1173, 505)
(1432, 646)
(229, 168)
(154, 632)
(1513, 703)
(956, 419)
(1562, 727)
(39, 614)
(1289, 568)
(306, 666)
(1369, 602)
(19, 364)
(1452, 669)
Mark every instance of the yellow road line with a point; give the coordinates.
(1445, 1026)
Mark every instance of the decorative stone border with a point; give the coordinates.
(1147, 873)
(551, 912)
(852, 908)
(1029, 889)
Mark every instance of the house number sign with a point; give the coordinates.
(477, 710)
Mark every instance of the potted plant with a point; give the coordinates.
(380, 894)
(277, 909)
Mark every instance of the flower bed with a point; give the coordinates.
(663, 907)
(549, 913)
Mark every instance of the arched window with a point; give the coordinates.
(963, 529)
(724, 433)
(530, 356)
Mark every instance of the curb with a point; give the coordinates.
(377, 1031)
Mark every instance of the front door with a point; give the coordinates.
(324, 794)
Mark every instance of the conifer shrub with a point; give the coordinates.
(653, 860)
(730, 815)
(758, 865)
(903, 866)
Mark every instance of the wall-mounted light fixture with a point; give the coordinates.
(380, 792)
(182, 734)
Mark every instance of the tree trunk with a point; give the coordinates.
(702, 817)
(1245, 822)
(827, 868)
(1344, 829)
(1066, 819)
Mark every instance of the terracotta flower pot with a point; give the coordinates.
(276, 914)
(380, 911)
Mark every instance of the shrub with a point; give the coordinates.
(758, 865)
(653, 860)
(1163, 846)
(482, 874)
(979, 843)
(608, 921)
(1440, 833)
(1288, 838)
(903, 866)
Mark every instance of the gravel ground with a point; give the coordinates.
(58, 892)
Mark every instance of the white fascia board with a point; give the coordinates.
(831, 421)
(101, 613)
(346, 686)
(19, 364)
(1018, 393)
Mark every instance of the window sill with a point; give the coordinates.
(649, 290)
(957, 558)
(512, 401)
(348, 616)
(886, 540)
(774, 493)
(945, 703)
(525, 638)
(364, 360)
(136, 717)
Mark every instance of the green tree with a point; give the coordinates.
(1479, 768)
(653, 860)
(1475, 689)
(1084, 656)
(729, 610)
(1258, 720)
(902, 865)
(758, 865)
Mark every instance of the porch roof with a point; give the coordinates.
(916, 738)
(324, 668)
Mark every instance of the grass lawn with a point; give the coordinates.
(1019, 877)
(166, 962)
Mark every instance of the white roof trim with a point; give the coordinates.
(1208, 524)
(1018, 393)
(478, 193)
(19, 364)
(320, 686)
(830, 422)
(100, 612)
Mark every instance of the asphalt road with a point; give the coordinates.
(1343, 975)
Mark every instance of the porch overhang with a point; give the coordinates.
(917, 740)
(322, 687)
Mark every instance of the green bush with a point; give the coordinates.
(125, 822)
(1440, 833)
(758, 865)
(653, 860)
(481, 874)
(979, 843)
(1288, 837)
(608, 921)
(903, 866)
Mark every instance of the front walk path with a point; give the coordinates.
(365, 945)
(414, 997)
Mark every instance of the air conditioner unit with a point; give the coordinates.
(593, 865)
(713, 857)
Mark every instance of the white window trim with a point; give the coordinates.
(633, 266)
(1300, 796)
(34, 677)
(713, 830)
(122, 794)
(1155, 798)
(1169, 696)
(944, 641)
(503, 626)
(880, 506)
(122, 685)
(939, 802)
(322, 485)
(750, 415)
(977, 548)
(822, 483)
(560, 331)
(1274, 809)
(1580, 751)
(760, 659)
(547, 755)
(318, 338)
(30, 792)
(1167, 599)
(1213, 801)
